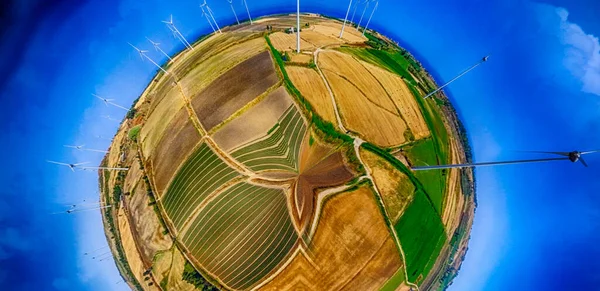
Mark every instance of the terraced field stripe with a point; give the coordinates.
(213, 211)
(277, 166)
(264, 227)
(267, 262)
(194, 180)
(198, 195)
(225, 219)
(237, 247)
(260, 241)
(225, 231)
(275, 138)
(184, 172)
(247, 147)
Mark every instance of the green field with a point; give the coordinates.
(243, 234)
(434, 181)
(395, 281)
(422, 236)
(201, 175)
(279, 149)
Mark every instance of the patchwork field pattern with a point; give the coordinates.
(242, 235)
(279, 149)
(202, 174)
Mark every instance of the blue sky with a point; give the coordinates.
(536, 227)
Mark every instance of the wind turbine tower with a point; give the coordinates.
(158, 49)
(143, 55)
(354, 12)
(176, 32)
(483, 60)
(298, 26)
(346, 19)
(210, 12)
(233, 10)
(207, 19)
(369, 21)
(362, 15)
(248, 11)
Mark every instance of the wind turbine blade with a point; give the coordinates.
(590, 152)
(79, 164)
(583, 161)
(566, 154)
(53, 162)
(486, 164)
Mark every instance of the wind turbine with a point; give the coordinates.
(354, 12)
(158, 49)
(369, 21)
(345, 19)
(363, 14)
(207, 19)
(79, 166)
(82, 148)
(234, 14)
(298, 25)
(143, 55)
(573, 156)
(246, 4)
(70, 211)
(483, 60)
(176, 32)
(210, 12)
(109, 102)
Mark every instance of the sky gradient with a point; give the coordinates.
(537, 227)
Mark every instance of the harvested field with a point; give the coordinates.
(202, 174)
(422, 236)
(402, 98)
(287, 42)
(242, 235)
(234, 89)
(378, 270)
(278, 150)
(156, 124)
(351, 239)
(319, 40)
(333, 29)
(301, 58)
(395, 187)
(354, 72)
(362, 116)
(311, 86)
(300, 274)
(454, 199)
(131, 253)
(204, 73)
(253, 123)
(150, 233)
(172, 149)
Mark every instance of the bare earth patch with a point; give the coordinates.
(253, 123)
(232, 90)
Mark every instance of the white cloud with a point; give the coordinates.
(582, 53)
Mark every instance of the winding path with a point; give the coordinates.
(357, 143)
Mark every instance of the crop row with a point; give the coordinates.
(201, 175)
(242, 235)
(279, 149)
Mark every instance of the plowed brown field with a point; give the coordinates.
(234, 89)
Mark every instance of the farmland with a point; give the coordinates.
(279, 149)
(201, 174)
(242, 235)
(260, 168)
